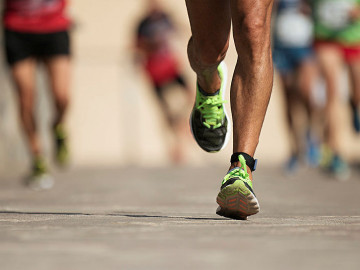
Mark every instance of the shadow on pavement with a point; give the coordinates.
(144, 216)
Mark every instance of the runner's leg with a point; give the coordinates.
(59, 74)
(291, 105)
(59, 70)
(253, 76)
(251, 87)
(23, 74)
(307, 75)
(355, 80)
(250, 94)
(210, 26)
(354, 68)
(330, 62)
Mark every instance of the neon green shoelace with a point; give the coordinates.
(239, 171)
(211, 110)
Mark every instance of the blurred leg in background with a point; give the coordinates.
(23, 74)
(307, 79)
(59, 70)
(173, 107)
(297, 82)
(354, 70)
(331, 64)
(154, 53)
(337, 34)
(293, 58)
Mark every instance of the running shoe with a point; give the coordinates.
(292, 164)
(356, 117)
(61, 146)
(39, 178)
(339, 168)
(326, 157)
(209, 121)
(312, 151)
(236, 198)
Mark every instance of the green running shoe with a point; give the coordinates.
(209, 121)
(61, 146)
(236, 198)
(39, 178)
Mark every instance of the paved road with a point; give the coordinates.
(164, 219)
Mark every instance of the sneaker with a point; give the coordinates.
(356, 117)
(292, 164)
(339, 168)
(39, 178)
(61, 146)
(312, 151)
(209, 121)
(326, 156)
(236, 198)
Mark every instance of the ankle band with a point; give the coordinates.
(250, 161)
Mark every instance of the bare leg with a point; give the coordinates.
(59, 69)
(24, 79)
(307, 75)
(330, 61)
(251, 84)
(59, 74)
(291, 102)
(253, 76)
(355, 81)
(252, 81)
(354, 68)
(210, 39)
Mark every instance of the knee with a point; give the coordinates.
(206, 53)
(252, 29)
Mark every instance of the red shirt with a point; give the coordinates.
(36, 16)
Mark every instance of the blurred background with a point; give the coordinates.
(114, 118)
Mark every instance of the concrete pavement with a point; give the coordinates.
(164, 218)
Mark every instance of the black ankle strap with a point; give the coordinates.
(250, 161)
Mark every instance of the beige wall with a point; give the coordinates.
(113, 117)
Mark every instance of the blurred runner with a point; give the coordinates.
(294, 59)
(211, 22)
(337, 33)
(37, 30)
(155, 54)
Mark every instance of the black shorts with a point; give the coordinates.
(19, 46)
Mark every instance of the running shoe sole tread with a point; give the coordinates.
(236, 201)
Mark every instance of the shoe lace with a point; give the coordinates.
(238, 171)
(211, 110)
